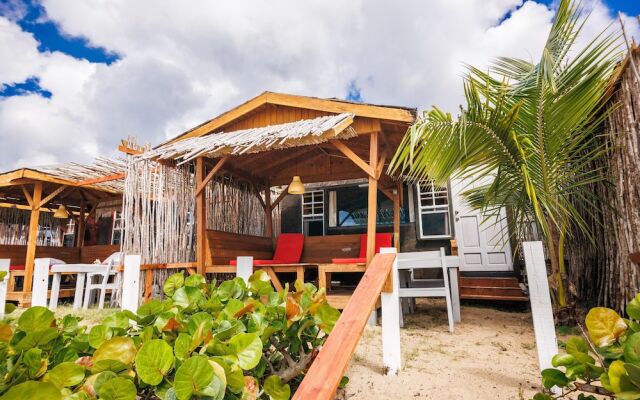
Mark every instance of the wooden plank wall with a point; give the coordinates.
(227, 246)
(321, 249)
(88, 254)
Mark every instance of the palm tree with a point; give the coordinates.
(534, 130)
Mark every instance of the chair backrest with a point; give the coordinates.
(425, 259)
(289, 248)
(382, 240)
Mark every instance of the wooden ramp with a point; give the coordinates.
(491, 288)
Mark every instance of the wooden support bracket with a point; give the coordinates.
(52, 195)
(344, 149)
(211, 174)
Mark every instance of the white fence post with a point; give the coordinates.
(131, 283)
(4, 267)
(244, 267)
(40, 288)
(540, 298)
(391, 355)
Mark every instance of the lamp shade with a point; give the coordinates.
(61, 212)
(296, 186)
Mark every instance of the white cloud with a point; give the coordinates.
(182, 63)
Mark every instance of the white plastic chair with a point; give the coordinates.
(101, 280)
(412, 287)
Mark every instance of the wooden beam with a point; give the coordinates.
(397, 193)
(344, 149)
(281, 197)
(81, 225)
(324, 375)
(380, 165)
(32, 239)
(211, 174)
(243, 175)
(268, 214)
(52, 195)
(128, 150)
(372, 208)
(28, 196)
(106, 178)
(201, 219)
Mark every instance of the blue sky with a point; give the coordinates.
(90, 73)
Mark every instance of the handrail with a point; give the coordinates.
(323, 378)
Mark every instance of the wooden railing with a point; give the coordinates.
(323, 378)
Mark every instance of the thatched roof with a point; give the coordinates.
(104, 174)
(273, 137)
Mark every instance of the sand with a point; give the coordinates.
(491, 355)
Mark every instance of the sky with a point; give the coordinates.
(76, 77)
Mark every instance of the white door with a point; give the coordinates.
(483, 244)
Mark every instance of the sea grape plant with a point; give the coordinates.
(605, 361)
(232, 340)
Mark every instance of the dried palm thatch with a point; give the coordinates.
(100, 168)
(604, 273)
(247, 141)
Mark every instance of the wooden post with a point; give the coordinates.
(244, 267)
(32, 240)
(40, 283)
(396, 215)
(131, 283)
(390, 302)
(81, 224)
(201, 223)
(373, 199)
(268, 214)
(4, 267)
(541, 309)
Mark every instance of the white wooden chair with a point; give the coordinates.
(412, 287)
(107, 279)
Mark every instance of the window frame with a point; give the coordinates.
(434, 209)
(313, 204)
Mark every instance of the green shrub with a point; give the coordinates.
(605, 362)
(206, 341)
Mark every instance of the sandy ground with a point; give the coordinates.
(491, 355)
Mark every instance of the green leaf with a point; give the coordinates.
(195, 280)
(615, 373)
(5, 332)
(562, 360)
(604, 325)
(247, 347)
(118, 389)
(326, 317)
(192, 377)
(153, 361)
(633, 308)
(274, 388)
(120, 349)
(152, 307)
(634, 373)
(108, 365)
(553, 377)
(542, 396)
(576, 344)
(35, 318)
(632, 349)
(98, 335)
(102, 378)
(67, 374)
(187, 296)
(173, 283)
(36, 365)
(33, 390)
(116, 320)
(233, 374)
(9, 308)
(182, 346)
(37, 338)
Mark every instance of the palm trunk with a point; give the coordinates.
(555, 244)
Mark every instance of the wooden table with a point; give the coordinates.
(81, 271)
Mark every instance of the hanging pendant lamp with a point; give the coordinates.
(61, 212)
(296, 186)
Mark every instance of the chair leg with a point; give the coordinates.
(450, 312)
(401, 316)
(87, 298)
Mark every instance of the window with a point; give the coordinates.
(313, 213)
(70, 233)
(434, 212)
(349, 207)
(118, 228)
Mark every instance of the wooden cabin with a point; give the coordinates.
(348, 189)
(67, 212)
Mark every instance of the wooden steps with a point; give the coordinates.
(491, 288)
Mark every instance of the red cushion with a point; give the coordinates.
(382, 240)
(357, 260)
(16, 268)
(289, 248)
(263, 262)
